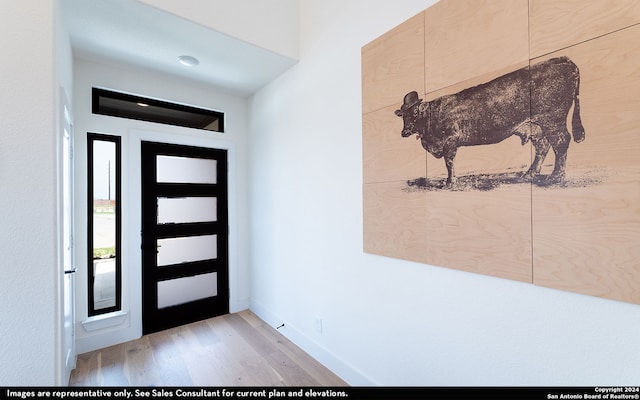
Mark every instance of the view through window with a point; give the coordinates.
(104, 223)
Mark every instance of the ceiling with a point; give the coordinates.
(133, 33)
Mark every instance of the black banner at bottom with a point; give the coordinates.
(325, 393)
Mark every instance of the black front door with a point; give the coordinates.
(185, 267)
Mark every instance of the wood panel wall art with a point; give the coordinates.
(502, 137)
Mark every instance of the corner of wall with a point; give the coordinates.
(336, 364)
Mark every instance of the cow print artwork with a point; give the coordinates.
(532, 103)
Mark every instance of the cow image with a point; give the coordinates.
(532, 103)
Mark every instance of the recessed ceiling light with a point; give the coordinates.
(188, 61)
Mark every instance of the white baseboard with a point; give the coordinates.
(106, 339)
(337, 365)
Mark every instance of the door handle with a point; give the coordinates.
(69, 271)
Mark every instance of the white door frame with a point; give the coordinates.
(66, 235)
(132, 216)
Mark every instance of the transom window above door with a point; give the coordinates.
(123, 105)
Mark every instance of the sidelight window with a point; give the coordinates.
(104, 223)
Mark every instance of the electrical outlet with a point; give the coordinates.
(318, 324)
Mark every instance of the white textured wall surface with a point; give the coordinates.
(388, 321)
(28, 288)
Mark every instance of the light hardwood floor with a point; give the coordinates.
(232, 350)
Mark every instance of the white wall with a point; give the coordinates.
(387, 321)
(272, 25)
(30, 83)
(88, 74)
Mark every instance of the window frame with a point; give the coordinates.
(91, 138)
(99, 93)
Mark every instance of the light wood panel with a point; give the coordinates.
(609, 99)
(394, 221)
(483, 223)
(580, 235)
(231, 350)
(393, 65)
(466, 39)
(586, 239)
(386, 155)
(556, 24)
(482, 232)
(587, 233)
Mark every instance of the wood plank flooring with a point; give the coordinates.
(231, 350)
